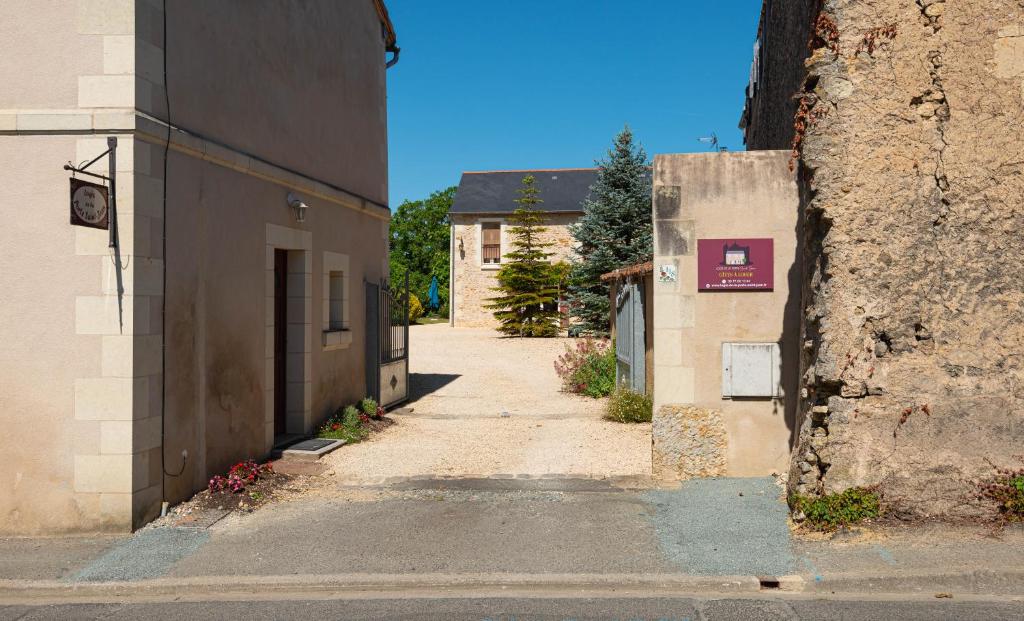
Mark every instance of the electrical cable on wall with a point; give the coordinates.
(163, 297)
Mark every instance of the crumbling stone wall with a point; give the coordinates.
(911, 133)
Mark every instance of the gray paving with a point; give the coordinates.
(439, 531)
(553, 609)
(724, 527)
(50, 558)
(149, 554)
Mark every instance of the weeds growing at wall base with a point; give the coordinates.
(844, 508)
(626, 406)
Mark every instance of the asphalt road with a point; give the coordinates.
(553, 609)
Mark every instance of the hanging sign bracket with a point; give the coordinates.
(93, 205)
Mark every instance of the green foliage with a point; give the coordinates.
(841, 509)
(415, 308)
(588, 368)
(350, 416)
(626, 406)
(369, 407)
(345, 424)
(615, 231)
(1006, 489)
(527, 304)
(420, 244)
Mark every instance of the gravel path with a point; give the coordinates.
(462, 381)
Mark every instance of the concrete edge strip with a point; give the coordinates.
(366, 586)
(373, 585)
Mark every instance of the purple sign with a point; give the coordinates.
(735, 265)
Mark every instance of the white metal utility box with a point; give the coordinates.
(751, 370)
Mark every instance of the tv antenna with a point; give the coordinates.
(712, 140)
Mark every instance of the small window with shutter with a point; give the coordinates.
(491, 243)
(337, 301)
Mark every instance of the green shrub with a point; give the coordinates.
(626, 406)
(588, 368)
(350, 416)
(415, 308)
(345, 424)
(369, 407)
(840, 509)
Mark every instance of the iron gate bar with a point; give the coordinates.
(387, 309)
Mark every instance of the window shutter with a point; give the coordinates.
(492, 234)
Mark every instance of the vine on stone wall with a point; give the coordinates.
(825, 33)
(807, 115)
(874, 38)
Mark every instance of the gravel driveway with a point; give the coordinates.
(462, 380)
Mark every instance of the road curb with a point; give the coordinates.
(368, 585)
(206, 588)
(977, 582)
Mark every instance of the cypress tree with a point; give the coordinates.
(527, 282)
(615, 231)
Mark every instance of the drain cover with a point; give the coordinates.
(313, 444)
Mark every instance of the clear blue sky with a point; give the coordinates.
(512, 84)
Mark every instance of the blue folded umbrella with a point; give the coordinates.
(434, 302)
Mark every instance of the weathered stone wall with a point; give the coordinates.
(472, 281)
(913, 191)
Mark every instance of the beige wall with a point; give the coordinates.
(472, 281)
(80, 374)
(220, 318)
(721, 195)
(300, 84)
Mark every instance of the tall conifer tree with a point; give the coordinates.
(527, 282)
(615, 231)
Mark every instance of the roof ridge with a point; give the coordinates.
(527, 170)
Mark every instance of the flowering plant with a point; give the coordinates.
(588, 368)
(241, 474)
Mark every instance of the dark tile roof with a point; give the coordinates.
(561, 190)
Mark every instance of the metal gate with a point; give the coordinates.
(630, 349)
(387, 342)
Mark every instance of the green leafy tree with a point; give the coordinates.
(527, 282)
(615, 231)
(420, 244)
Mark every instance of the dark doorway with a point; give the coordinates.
(280, 330)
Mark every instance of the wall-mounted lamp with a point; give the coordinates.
(299, 207)
(462, 247)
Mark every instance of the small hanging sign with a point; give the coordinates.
(89, 204)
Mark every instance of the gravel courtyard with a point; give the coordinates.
(462, 381)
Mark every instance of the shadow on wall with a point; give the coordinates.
(789, 341)
(423, 384)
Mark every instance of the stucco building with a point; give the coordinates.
(726, 309)
(251, 203)
(480, 239)
(905, 121)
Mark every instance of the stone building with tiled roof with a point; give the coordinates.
(479, 225)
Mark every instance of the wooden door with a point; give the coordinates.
(280, 340)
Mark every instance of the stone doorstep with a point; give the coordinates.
(296, 452)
